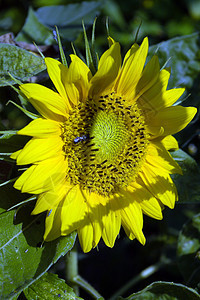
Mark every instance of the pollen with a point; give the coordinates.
(105, 142)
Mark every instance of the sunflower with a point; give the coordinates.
(99, 151)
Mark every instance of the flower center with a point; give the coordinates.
(105, 143)
(110, 135)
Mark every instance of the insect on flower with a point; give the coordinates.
(81, 138)
(49, 212)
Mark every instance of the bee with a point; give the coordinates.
(49, 212)
(81, 138)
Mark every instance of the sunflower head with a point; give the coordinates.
(99, 150)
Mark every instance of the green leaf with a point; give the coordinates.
(34, 30)
(10, 197)
(183, 55)
(161, 290)
(68, 18)
(188, 251)
(21, 63)
(62, 54)
(39, 25)
(10, 142)
(22, 258)
(89, 58)
(50, 287)
(187, 184)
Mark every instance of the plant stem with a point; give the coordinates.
(76, 281)
(87, 287)
(72, 269)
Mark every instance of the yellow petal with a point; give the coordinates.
(155, 131)
(169, 98)
(74, 210)
(111, 225)
(148, 78)
(42, 177)
(85, 235)
(48, 103)
(170, 143)
(38, 149)
(71, 83)
(41, 128)
(57, 72)
(111, 41)
(160, 184)
(131, 71)
(152, 208)
(130, 53)
(77, 81)
(108, 69)
(95, 217)
(160, 158)
(148, 203)
(129, 233)
(95, 213)
(166, 99)
(24, 177)
(131, 215)
(49, 200)
(152, 98)
(14, 155)
(173, 119)
(53, 224)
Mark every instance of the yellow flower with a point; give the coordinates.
(99, 152)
